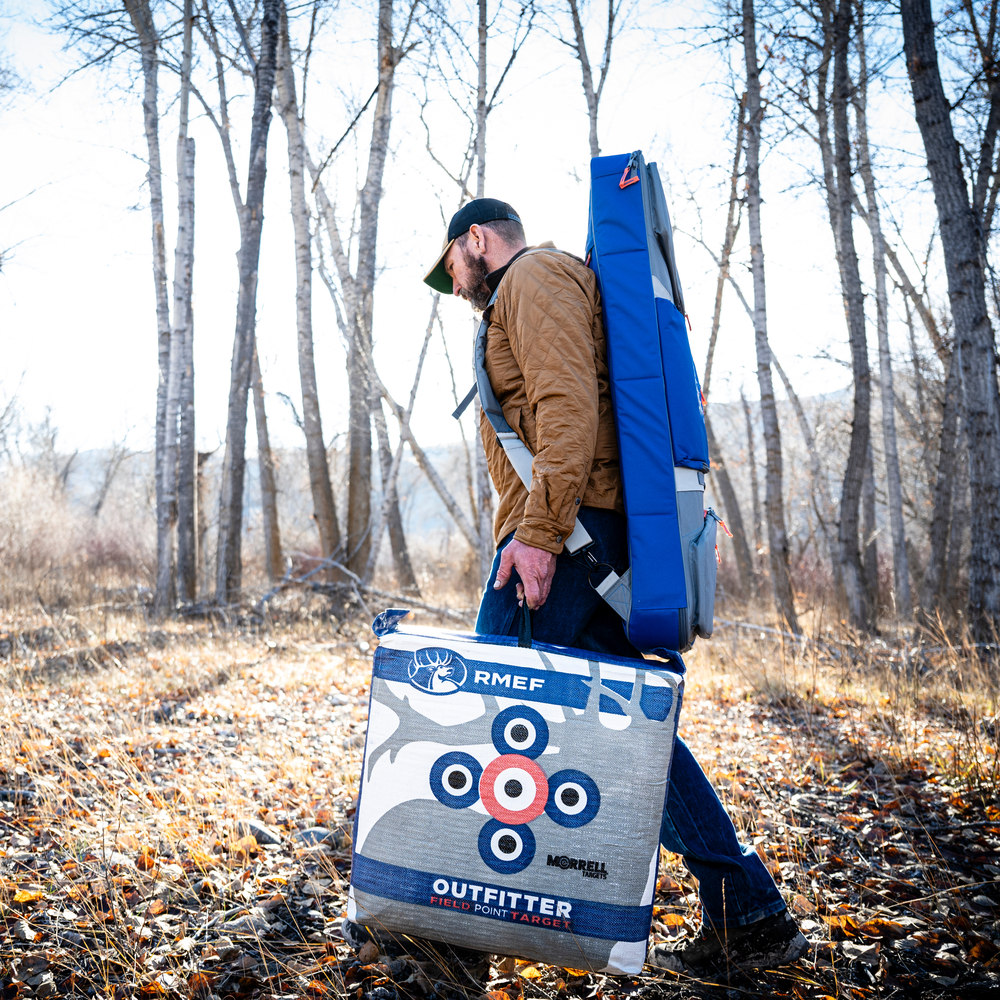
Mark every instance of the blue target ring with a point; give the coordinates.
(455, 779)
(520, 730)
(574, 798)
(505, 848)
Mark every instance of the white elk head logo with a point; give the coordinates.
(437, 670)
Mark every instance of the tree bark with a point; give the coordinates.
(201, 488)
(758, 521)
(229, 567)
(820, 486)
(484, 486)
(324, 506)
(481, 104)
(869, 534)
(579, 46)
(142, 21)
(187, 499)
(934, 576)
(406, 580)
(956, 532)
(360, 407)
(720, 474)
(900, 563)
(734, 516)
(273, 562)
(964, 254)
(859, 601)
(774, 503)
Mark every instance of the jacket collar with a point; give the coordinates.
(494, 278)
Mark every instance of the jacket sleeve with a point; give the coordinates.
(551, 337)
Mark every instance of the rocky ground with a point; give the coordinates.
(175, 813)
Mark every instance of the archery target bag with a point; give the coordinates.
(511, 797)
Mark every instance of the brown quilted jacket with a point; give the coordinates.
(547, 362)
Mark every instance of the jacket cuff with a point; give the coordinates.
(543, 535)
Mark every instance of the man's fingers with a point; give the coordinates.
(503, 571)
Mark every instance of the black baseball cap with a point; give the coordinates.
(477, 212)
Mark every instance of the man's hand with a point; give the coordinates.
(536, 567)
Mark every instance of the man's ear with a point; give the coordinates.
(477, 237)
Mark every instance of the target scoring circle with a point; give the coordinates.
(514, 789)
(571, 798)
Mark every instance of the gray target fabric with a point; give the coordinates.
(511, 797)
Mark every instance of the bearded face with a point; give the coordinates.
(477, 292)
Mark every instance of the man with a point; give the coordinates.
(547, 363)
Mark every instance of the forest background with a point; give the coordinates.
(521, 94)
(226, 441)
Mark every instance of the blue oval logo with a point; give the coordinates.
(437, 670)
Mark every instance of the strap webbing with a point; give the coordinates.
(464, 405)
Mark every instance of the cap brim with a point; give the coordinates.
(437, 277)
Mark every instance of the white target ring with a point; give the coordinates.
(457, 779)
(506, 844)
(575, 800)
(514, 789)
(520, 733)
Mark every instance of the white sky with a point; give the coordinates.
(76, 298)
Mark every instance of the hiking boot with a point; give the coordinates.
(764, 944)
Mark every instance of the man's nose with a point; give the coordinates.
(456, 286)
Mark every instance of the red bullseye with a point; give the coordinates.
(514, 789)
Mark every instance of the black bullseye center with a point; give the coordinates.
(456, 779)
(507, 844)
(519, 733)
(513, 788)
(570, 797)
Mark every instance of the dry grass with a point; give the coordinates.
(130, 755)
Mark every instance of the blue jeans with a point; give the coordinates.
(734, 885)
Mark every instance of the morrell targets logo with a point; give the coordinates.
(437, 671)
(514, 790)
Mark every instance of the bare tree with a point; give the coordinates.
(324, 507)
(774, 502)
(273, 561)
(900, 563)
(593, 91)
(145, 30)
(357, 289)
(860, 602)
(720, 474)
(962, 227)
(228, 558)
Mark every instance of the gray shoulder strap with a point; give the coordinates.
(514, 448)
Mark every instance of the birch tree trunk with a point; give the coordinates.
(360, 407)
(820, 487)
(592, 93)
(229, 567)
(201, 509)
(145, 29)
(187, 499)
(900, 562)
(484, 487)
(859, 603)
(324, 506)
(869, 534)
(934, 577)
(406, 580)
(481, 104)
(974, 338)
(720, 475)
(777, 536)
(956, 532)
(758, 521)
(273, 562)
